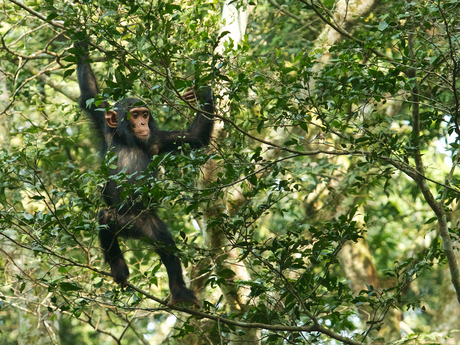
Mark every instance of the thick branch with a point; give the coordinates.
(47, 80)
(444, 231)
(276, 328)
(279, 328)
(423, 185)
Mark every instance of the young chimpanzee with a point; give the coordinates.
(129, 130)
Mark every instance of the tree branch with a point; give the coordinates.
(344, 33)
(292, 15)
(47, 80)
(13, 96)
(437, 207)
(279, 328)
(275, 328)
(455, 69)
(56, 23)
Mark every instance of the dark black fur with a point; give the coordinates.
(128, 218)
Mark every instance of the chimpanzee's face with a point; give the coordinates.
(139, 122)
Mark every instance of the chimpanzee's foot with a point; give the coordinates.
(183, 295)
(120, 271)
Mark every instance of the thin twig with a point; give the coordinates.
(59, 24)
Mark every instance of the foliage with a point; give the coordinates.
(330, 182)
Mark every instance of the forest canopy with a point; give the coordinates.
(324, 211)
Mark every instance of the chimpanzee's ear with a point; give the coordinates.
(111, 118)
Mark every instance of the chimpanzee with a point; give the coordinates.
(129, 131)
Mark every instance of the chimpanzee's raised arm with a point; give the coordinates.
(199, 133)
(88, 88)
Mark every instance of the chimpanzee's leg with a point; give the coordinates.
(166, 248)
(109, 242)
(150, 226)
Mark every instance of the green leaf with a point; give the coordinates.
(98, 285)
(133, 9)
(431, 220)
(27, 216)
(304, 126)
(226, 273)
(170, 8)
(70, 58)
(253, 179)
(382, 26)
(133, 62)
(51, 16)
(68, 73)
(65, 286)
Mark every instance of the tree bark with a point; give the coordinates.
(4, 120)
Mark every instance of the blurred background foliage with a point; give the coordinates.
(324, 212)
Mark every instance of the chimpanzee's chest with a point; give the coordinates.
(134, 160)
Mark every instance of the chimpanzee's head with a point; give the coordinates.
(132, 119)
